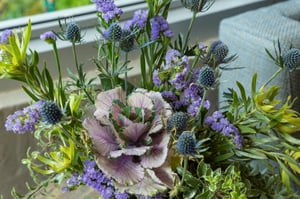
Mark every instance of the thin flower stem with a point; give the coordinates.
(126, 77)
(185, 164)
(201, 103)
(75, 55)
(79, 72)
(272, 77)
(67, 133)
(189, 31)
(58, 64)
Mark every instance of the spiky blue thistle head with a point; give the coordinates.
(177, 121)
(186, 143)
(197, 5)
(50, 112)
(114, 32)
(291, 58)
(127, 41)
(206, 76)
(73, 32)
(217, 52)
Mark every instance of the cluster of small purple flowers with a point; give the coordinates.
(25, 120)
(160, 25)
(5, 35)
(138, 20)
(93, 177)
(108, 9)
(219, 123)
(182, 81)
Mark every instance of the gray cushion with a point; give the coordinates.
(249, 33)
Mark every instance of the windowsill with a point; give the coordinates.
(206, 23)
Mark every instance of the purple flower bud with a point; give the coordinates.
(48, 37)
(5, 36)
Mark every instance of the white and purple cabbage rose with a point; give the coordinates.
(131, 141)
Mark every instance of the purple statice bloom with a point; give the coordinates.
(93, 177)
(194, 105)
(178, 81)
(156, 80)
(5, 36)
(219, 123)
(181, 104)
(169, 96)
(25, 120)
(160, 25)
(49, 37)
(193, 92)
(172, 58)
(138, 20)
(108, 9)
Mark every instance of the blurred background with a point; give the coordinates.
(10, 9)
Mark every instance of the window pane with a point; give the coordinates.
(10, 9)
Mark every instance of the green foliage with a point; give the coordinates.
(207, 182)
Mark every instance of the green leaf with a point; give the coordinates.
(249, 154)
(222, 157)
(253, 85)
(246, 129)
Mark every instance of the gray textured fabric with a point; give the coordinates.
(248, 35)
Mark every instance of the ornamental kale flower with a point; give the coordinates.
(219, 123)
(130, 140)
(25, 120)
(50, 112)
(291, 59)
(48, 37)
(160, 26)
(5, 36)
(108, 9)
(73, 32)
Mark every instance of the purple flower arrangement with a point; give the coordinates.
(159, 138)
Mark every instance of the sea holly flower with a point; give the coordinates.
(73, 32)
(50, 112)
(178, 122)
(207, 77)
(187, 144)
(130, 140)
(217, 53)
(127, 41)
(114, 32)
(197, 5)
(291, 58)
